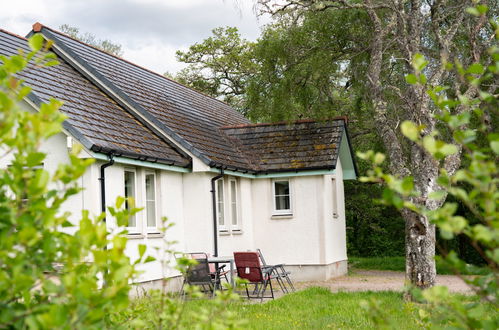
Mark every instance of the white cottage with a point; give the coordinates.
(228, 185)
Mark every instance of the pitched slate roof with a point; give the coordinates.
(99, 122)
(190, 118)
(175, 115)
(303, 145)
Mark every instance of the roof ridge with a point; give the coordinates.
(13, 34)
(38, 26)
(301, 121)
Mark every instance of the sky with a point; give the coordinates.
(150, 31)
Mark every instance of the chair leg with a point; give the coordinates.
(271, 290)
(247, 292)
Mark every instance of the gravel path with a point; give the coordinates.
(374, 280)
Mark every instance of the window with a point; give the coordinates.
(233, 204)
(220, 205)
(130, 192)
(282, 197)
(151, 201)
(335, 198)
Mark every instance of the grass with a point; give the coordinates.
(398, 264)
(318, 308)
(313, 308)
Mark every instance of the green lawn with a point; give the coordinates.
(398, 264)
(313, 308)
(318, 308)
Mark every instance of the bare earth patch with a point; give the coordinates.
(377, 280)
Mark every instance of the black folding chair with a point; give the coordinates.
(279, 273)
(199, 275)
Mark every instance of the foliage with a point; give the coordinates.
(48, 277)
(475, 185)
(219, 66)
(103, 44)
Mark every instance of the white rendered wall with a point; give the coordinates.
(295, 239)
(334, 228)
(198, 216)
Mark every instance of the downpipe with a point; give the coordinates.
(102, 180)
(214, 204)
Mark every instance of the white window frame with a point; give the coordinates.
(137, 228)
(234, 200)
(274, 203)
(149, 229)
(221, 212)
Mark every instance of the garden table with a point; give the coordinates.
(224, 260)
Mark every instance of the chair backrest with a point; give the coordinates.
(248, 266)
(261, 257)
(200, 273)
(204, 255)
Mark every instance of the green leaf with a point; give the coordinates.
(35, 159)
(36, 42)
(448, 149)
(419, 62)
(494, 145)
(430, 144)
(437, 195)
(410, 130)
(475, 68)
(407, 184)
(422, 79)
(473, 11)
(411, 79)
(142, 250)
(379, 158)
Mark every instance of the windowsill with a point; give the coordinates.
(237, 232)
(135, 236)
(155, 235)
(281, 216)
(224, 232)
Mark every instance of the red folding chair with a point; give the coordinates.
(249, 268)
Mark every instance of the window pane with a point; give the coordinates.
(281, 188)
(282, 203)
(130, 192)
(220, 202)
(151, 213)
(282, 198)
(150, 200)
(233, 198)
(150, 191)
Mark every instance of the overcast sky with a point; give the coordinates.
(150, 31)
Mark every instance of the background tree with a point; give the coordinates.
(393, 33)
(219, 66)
(103, 44)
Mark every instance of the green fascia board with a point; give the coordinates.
(135, 162)
(346, 159)
(274, 175)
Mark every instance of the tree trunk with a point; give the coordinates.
(420, 250)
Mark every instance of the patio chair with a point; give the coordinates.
(279, 273)
(248, 267)
(199, 275)
(215, 270)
